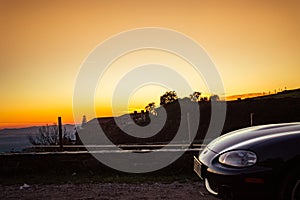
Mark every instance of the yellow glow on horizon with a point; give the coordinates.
(255, 45)
(140, 96)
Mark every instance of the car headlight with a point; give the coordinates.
(238, 158)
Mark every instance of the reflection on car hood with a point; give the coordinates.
(245, 138)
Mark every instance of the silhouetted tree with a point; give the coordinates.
(195, 97)
(204, 99)
(151, 108)
(214, 97)
(48, 135)
(168, 97)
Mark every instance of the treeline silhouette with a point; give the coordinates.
(263, 111)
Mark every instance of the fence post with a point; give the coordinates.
(188, 126)
(251, 119)
(60, 133)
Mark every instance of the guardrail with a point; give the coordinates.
(125, 148)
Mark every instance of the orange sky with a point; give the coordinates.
(254, 44)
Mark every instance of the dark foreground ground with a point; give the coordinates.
(80, 176)
(175, 190)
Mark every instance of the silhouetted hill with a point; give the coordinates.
(280, 95)
(265, 111)
(280, 108)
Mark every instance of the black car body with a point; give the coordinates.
(257, 162)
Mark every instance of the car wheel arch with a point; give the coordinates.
(287, 177)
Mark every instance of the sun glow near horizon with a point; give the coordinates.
(138, 65)
(254, 45)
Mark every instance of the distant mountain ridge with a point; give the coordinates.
(16, 139)
(30, 129)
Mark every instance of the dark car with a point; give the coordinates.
(260, 162)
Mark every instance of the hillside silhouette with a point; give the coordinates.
(280, 95)
(277, 108)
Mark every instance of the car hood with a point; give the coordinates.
(247, 137)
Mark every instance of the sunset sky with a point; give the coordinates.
(255, 45)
